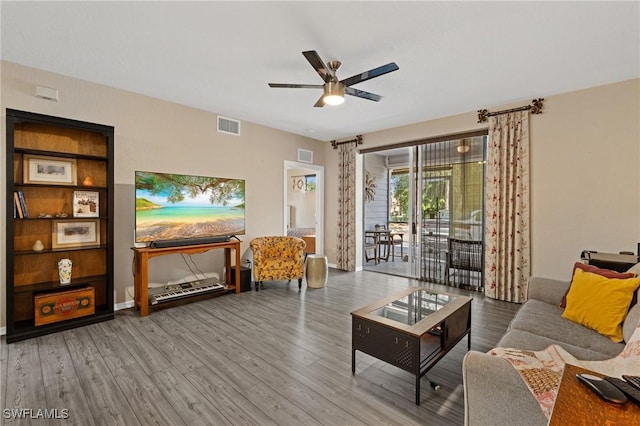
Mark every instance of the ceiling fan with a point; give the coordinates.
(334, 89)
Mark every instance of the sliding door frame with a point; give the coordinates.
(416, 172)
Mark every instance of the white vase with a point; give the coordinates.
(64, 271)
(38, 246)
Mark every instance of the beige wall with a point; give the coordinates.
(585, 171)
(585, 188)
(155, 135)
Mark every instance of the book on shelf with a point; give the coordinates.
(23, 205)
(86, 204)
(17, 205)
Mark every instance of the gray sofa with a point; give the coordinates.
(494, 393)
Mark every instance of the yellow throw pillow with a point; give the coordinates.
(600, 303)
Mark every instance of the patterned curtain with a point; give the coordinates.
(507, 248)
(346, 250)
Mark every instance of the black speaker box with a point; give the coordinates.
(245, 278)
(619, 262)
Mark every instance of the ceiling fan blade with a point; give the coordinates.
(362, 94)
(296, 86)
(317, 64)
(320, 102)
(368, 75)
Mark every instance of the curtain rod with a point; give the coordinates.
(536, 108)
(433, 139)
(357, 140)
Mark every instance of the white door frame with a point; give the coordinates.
(319, 199)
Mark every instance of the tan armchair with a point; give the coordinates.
(277, 258)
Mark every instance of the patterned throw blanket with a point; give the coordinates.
(542, 370)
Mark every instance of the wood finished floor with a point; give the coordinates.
(276, 357)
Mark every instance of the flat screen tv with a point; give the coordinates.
(174, 207)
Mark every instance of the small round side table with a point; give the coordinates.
(317, 271)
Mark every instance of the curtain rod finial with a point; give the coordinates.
(357, 140)
(536, 107)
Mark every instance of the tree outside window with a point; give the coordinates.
(399, 196)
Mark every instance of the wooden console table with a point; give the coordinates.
(141, 258)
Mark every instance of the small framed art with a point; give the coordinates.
(86, 204)
(75, 233)
(49, 170)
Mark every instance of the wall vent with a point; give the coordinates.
(305, 156)
(47, 93)
(228, 125)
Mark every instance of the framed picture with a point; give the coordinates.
(298, 183)
(303, 183)
(86, 204)
(75, 233)
(49, 170)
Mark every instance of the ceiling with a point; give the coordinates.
(454, 57)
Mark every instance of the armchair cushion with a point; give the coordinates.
(277, 258)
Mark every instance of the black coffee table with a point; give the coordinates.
(412, 329)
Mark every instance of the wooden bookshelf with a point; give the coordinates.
(48, 159)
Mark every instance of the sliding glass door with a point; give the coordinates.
(452, 221)
(389, 212)
(429, 201)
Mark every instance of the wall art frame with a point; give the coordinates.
(75, 233)
(43, 170)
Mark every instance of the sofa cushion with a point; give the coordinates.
(547, 289)
(544, 320)
(531, 341)
(631, 322)
(600, 303)
(595, 270)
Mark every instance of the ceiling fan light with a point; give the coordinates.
(333, 99)
(333, 93)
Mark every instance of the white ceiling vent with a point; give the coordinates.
(305, 156)
(228, 125)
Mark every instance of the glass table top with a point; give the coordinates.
(414, 307)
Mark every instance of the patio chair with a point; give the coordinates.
(463, 255)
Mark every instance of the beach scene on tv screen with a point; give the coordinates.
(171, 206)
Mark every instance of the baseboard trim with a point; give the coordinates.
(116, 307)
(124, 305)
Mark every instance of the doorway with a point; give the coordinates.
(431, 198)
(304, 202)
